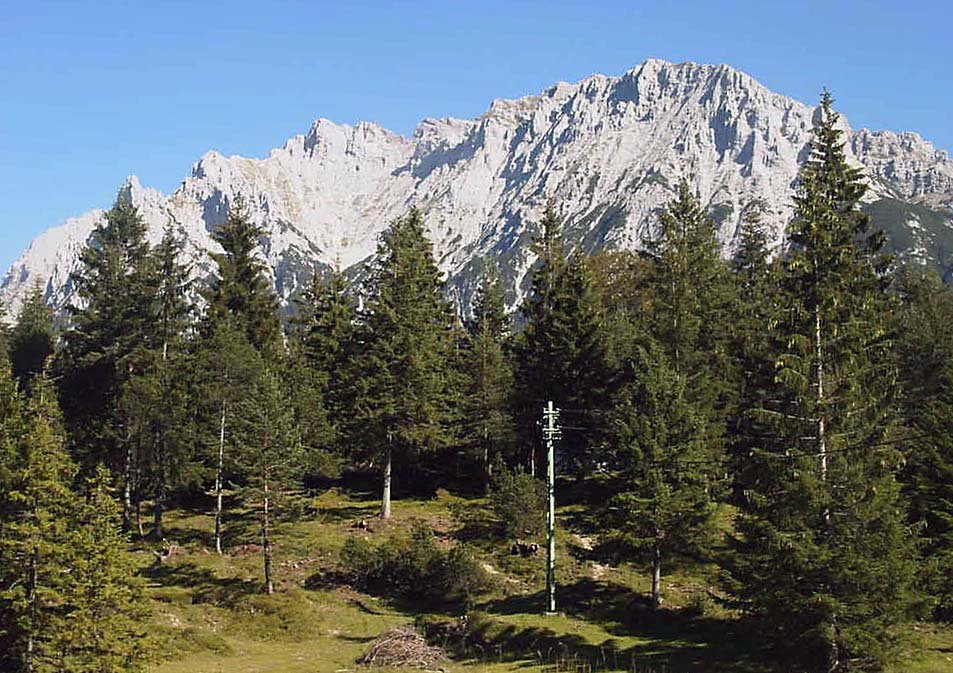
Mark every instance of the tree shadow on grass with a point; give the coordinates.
(347, 513)
(675, 640)
(203, 584)
(240, 526)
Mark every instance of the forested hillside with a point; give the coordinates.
(754, 459)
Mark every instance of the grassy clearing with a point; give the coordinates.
(210, 616)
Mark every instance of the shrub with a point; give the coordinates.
(519, 503)
(462, 576)
(414, 567)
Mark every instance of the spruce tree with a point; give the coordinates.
(692, 304)
(228, 369)
(752, 345)
(824, 556)
(323, 340)
(402, 399)
(169, 420)
(268, 458)
(665, 472)
(32, 339)
(11, 430)
(106, 343)
(488, 423)
(153, 405)
(105, 630)
(68, 599)
(241, 288)
(925, 357)
(560, 355)
(36, 542)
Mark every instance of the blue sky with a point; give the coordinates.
(93, 91)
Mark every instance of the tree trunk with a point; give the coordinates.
(821, 425)
(656, 578)
(487, 466)
(158, 508)
(139, 518)
(266, 538)
(219, 476)
(821, 429)
(385, 496)
(127, 487)
(32, 598)
(833, 654)
(159, 504)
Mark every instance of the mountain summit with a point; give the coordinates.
(607, 151)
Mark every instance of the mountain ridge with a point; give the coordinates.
(607, 150)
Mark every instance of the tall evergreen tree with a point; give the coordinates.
(488, 423)
(107, 341)
(241, 288)
(105, 631)
(665, 473)
(925, 356)
(323, 336)
(561, 353)
(169, 457)
(268, 458)
(824, 555)
(32, 339)
(692, 305)
(229, 368)
(402, 401)
(752, 343)
(68, 599)
(153, 405)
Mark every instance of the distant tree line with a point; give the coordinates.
(805, 391)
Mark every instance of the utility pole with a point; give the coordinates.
(551, 433)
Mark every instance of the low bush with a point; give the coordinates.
(518, 501)
(415, 567)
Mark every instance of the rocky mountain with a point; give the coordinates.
(607, 151)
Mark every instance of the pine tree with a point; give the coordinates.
(401, 403)
(692, 305)
(488, 423)
(67, 594)
(228, 367)
(32, 339)
(107, 342)
(925, 355)
(11, 430)
(665, 471)
(105, 632)
(36, 543)
(561, 353)
(152, 404)
(170, 454)
(824, 556)
(241, 288)
(323, 339)
(752, 342)
(269, 456)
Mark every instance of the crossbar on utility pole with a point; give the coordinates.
(551, 434)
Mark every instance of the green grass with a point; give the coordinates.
(209, 614)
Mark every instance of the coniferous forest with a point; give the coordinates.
(754, 466)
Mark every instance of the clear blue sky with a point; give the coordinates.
(93, 91)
